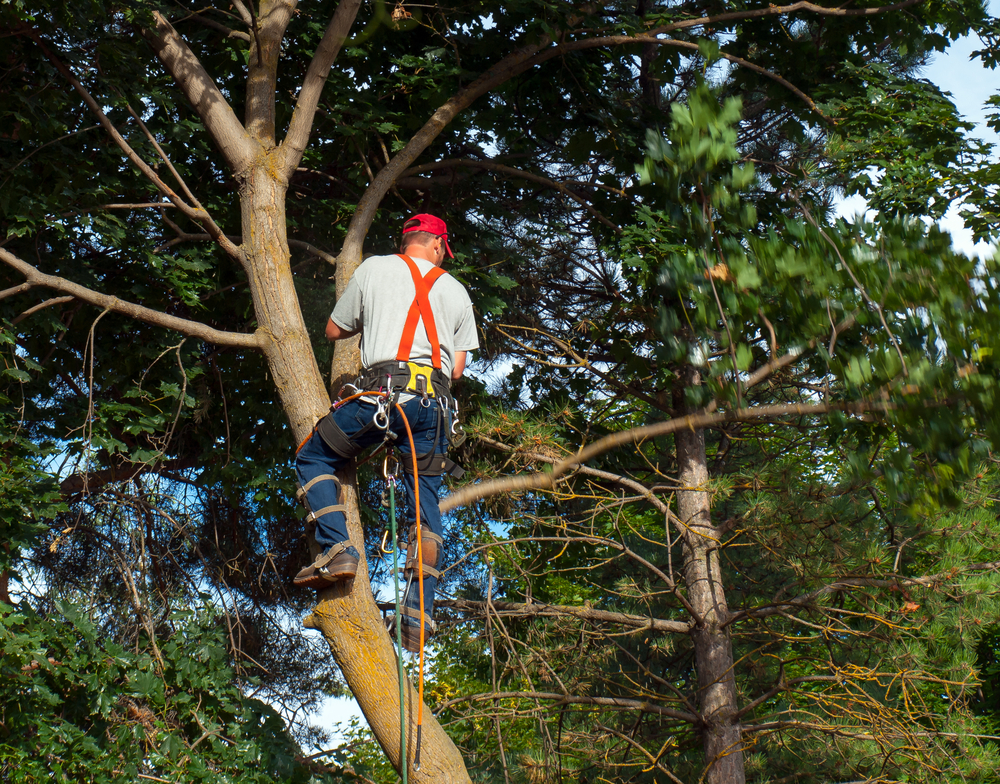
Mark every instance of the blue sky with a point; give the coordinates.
(970, 84)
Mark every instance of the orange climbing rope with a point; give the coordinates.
(420, 579)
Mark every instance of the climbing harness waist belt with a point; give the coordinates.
(413, 377)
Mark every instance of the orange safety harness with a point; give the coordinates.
(420, 308)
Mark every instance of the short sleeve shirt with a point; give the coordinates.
(379, 296)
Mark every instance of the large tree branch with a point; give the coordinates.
(20, 288)
(547, 480)
(534, 54)
(157, 318)
(559, 700)
(543, 610)
(265, 49)
(232, 139)
(300, 127)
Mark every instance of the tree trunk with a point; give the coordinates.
(713, 648)
(346, 615)
(288, 349)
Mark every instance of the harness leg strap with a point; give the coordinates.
(335, 438)
(433, 463)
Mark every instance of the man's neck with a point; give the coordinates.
(416, 252)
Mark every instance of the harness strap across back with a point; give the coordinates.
(420, 309)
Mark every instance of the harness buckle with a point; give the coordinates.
(420, 380)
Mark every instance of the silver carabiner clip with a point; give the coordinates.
(381, 417)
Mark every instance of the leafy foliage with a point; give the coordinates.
(80, 707)
(603, 294)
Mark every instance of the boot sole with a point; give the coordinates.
(317, 580)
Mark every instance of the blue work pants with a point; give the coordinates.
(316, 458)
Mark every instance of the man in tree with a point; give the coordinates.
(417, 325)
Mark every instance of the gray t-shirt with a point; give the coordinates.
(377, 299)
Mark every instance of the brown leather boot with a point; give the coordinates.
(333, 566)
(411, 632)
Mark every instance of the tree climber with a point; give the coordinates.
(417, 325)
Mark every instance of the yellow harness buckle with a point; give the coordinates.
(420, 379)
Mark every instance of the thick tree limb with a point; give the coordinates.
(211, 106)
(268, 30)
(559, 700)
(299, 128)
(548, 479)
(157, 318)
(543, 610)
(18, 289)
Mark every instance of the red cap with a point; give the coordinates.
(431, 224)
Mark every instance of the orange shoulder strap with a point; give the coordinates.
(420, 308)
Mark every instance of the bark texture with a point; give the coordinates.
(713, 648)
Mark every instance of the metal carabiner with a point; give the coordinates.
(381, 416)
(385, 541)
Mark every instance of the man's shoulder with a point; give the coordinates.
(374, 262)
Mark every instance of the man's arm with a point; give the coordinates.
(335, 332)
(459, 369)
